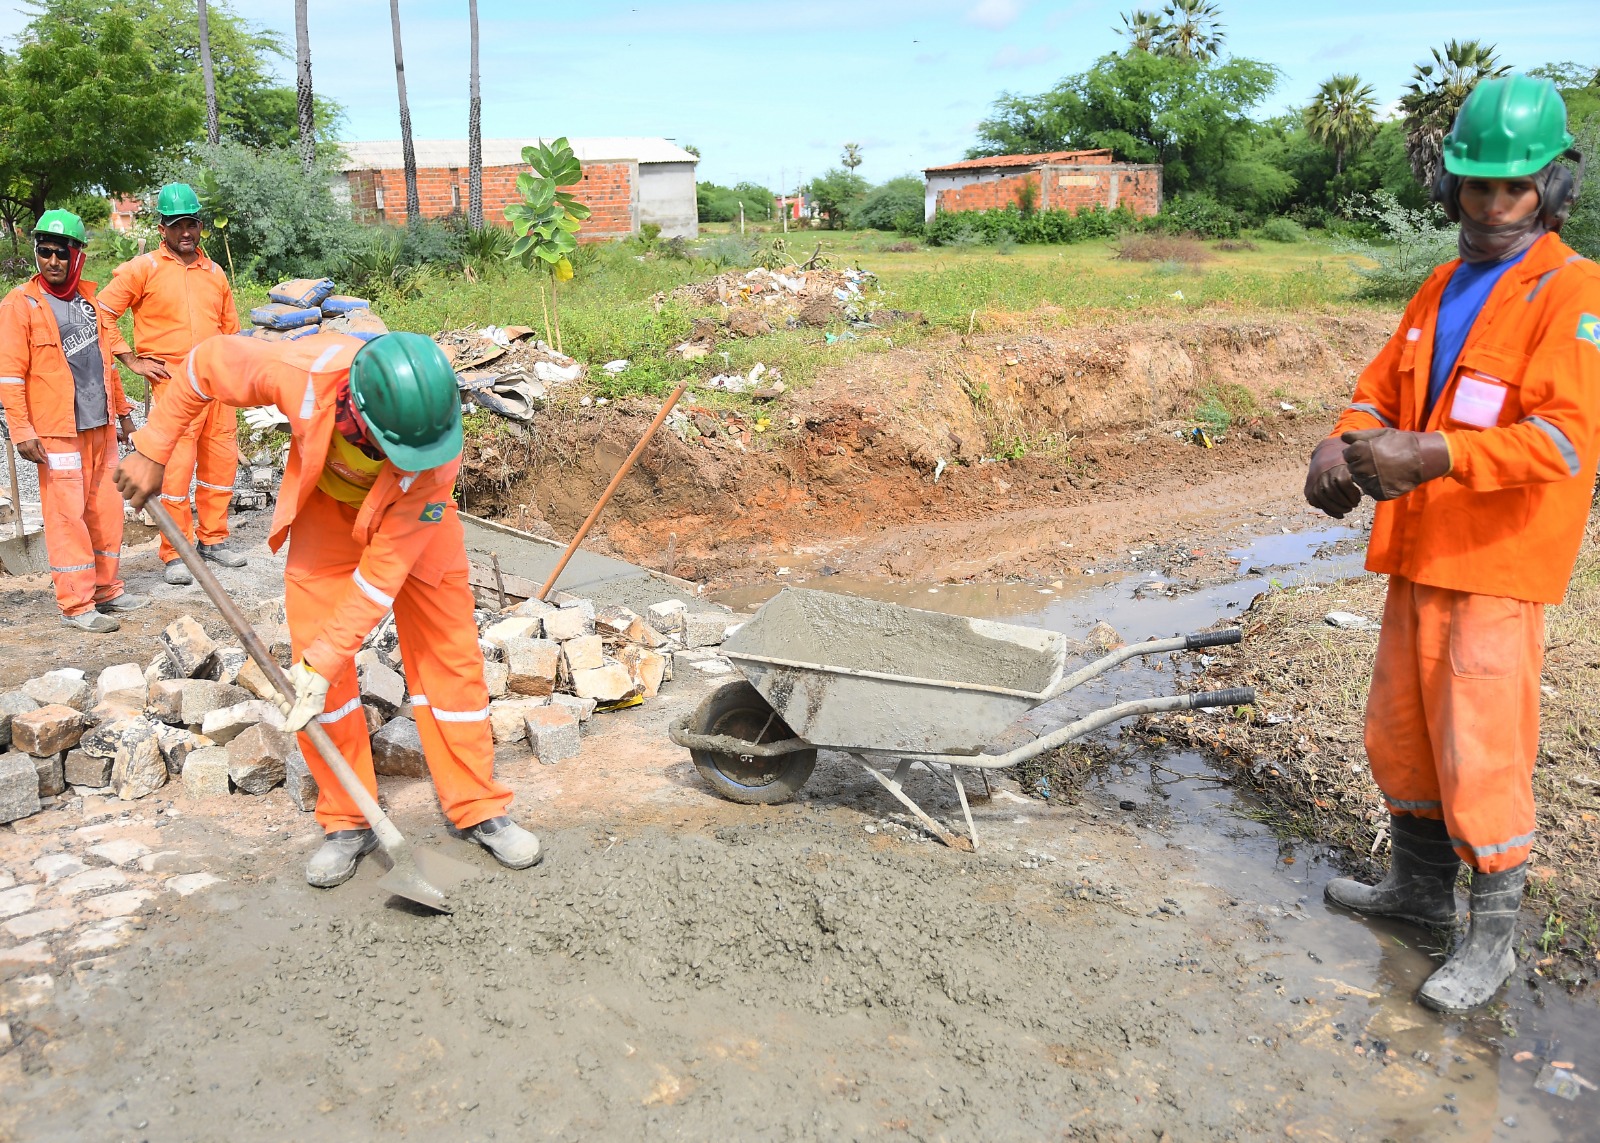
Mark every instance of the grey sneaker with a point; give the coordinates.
(178, 575)
(512, 846)
(221, 554)
(335, 862)
(91, 620)
(124, 602)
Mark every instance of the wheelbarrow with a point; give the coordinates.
(898, 687)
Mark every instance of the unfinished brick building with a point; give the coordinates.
(1060, 180)
(626, 182)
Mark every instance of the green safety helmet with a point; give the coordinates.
(405, 391)
(1508, 128)
(177, 200)
(62, 224)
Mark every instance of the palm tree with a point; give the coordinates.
(208, 74)
(1192, 30)
(1343, 117)
(1143, 29)
(474, 131)
(852, 156)
(304, 107)
(407, 152)
(1436, 92)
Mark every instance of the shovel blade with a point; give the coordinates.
(424, 876)
(24, 555)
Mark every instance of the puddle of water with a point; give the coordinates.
(1448, 1077)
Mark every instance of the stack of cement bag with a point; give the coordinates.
(305, 306)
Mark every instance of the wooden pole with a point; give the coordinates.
(605, 496)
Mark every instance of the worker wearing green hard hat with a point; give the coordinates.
(1477, 431)
(366, 508)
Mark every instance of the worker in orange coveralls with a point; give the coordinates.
(366, 506)
(1476, 428)
(180, 297)
(65, 411)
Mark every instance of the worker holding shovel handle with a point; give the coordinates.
(1476, 429)
(366, 508)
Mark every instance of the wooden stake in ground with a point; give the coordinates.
(605, 496)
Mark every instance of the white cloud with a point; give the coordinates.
(996, 14)
(1012, 56)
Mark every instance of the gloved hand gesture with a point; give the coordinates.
(1328, 483)
(1388, 463)
(310, 697)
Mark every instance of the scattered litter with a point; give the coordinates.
(938, 470)
(617, 366)
(1349, 621)
(1559, 1082)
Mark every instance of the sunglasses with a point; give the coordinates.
(55, 253)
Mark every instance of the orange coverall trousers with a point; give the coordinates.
(443, 666)
(208, 454)
(1453, 716)
(82, 518)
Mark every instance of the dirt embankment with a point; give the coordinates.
(903, 444)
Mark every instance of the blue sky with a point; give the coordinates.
(768, 89)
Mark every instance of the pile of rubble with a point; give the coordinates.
(756, 298)
(206, 716)
(506, 370)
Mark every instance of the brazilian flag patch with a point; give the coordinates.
(432, 513)
(1589, 329)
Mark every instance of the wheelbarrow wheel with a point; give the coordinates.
(738, 710)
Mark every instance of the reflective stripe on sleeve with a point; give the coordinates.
(327, 718)
(371, 592)
(1563, 444)
(1372, 411)
(194, 382)
(11, 381)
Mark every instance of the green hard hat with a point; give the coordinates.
(405, 390)
(177, 200)
(62, 223)
(1508, 128)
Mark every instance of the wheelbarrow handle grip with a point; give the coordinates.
(1233, 696)
(1213, 639)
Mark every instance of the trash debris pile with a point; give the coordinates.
(756, 301)
(505, 370)
(204, 715)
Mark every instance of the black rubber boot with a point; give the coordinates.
(1481, 963)
(1421, 885)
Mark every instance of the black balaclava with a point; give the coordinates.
(1480, 244)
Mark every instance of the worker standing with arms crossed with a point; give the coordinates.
(366, 507)
(66, 411)
(180, 297)
(1476, 428)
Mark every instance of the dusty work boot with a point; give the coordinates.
(1481, 963)
(222, 555)
(335, 862)
(178, 575)
(124, 602)
(512, 846)
(91, 620)
(1421, 885)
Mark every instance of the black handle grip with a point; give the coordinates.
(1214, 638)
(1233, 696)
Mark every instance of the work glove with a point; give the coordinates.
(310, 697)
(1388, 463)
(1328, 484)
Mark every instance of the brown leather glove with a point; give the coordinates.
(1388, 463)
(1328, 483)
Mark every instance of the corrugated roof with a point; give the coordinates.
(1022, 160)
(385, 154)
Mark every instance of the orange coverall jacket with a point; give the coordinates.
(175, 307)
(401, 515)
(1509, 517)
(35, 380)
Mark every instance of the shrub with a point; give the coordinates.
(1418, 241)
(884, 204)
(1200, 215)
(1173, 248)
(1044, 226)
(1282, 230)
(1582, 231)
(910, 223)
(725, 250)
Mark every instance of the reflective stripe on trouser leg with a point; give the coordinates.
(1462, 676)
(216, 469)
(444, 670)
(69, 487)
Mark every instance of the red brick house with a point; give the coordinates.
(1061, 180)
(626, 182)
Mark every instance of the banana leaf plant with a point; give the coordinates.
(546, 220)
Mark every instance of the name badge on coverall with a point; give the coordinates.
(1478, 401)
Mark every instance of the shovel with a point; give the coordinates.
(22, 554)
(419, 875)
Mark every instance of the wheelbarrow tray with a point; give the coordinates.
(859, 674)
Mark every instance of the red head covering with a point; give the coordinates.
(68, 289)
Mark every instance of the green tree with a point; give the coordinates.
(851, 156)
(1343, 117)
(890, 201)
(547, 219)
(1143, 29)
(1582, 231)
(84, 105)
(1436, 92)
(1579, 85)
(833, 193)
(1192, 30)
